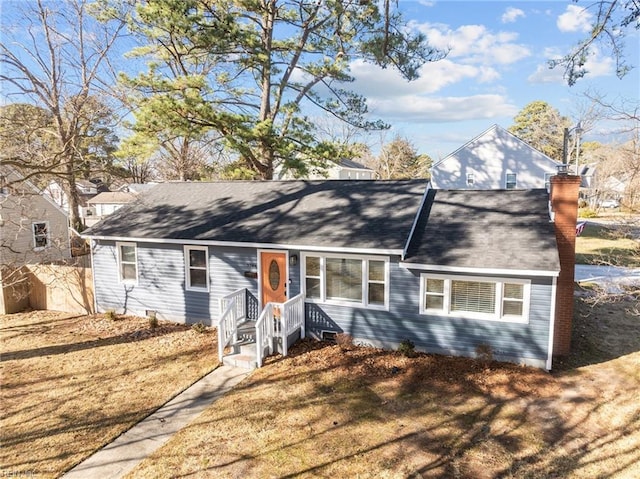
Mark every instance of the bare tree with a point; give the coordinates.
(54, 58)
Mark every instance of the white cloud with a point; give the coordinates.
(544, 74)
(597, 65)
(372, 80)
(475, 43)
(422, 109)
(511, 14)
(574, 19)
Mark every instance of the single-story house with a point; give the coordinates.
(105, 203)
(454, 272)
(86, 190)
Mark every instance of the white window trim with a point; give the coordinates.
(119, 244)
(365, 280)
(48, 235)
(506, 180)
(188, 267)
(499, 281)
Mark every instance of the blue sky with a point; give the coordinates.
(497, 65)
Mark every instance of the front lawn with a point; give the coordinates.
(326, 411)
(71, 384)
(607, 245)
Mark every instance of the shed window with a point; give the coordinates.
(465, 297)
(346, 279)
(128, 262)
(196, 260)
(41, 238)
(511, 181)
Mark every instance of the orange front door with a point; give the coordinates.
(273, 267)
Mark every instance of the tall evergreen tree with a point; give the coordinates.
(541, 126)
(245, 69)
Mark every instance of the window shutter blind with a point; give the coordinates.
(473, 296)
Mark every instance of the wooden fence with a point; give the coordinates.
(54, 287)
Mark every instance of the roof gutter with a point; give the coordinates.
(475, 270)
(415, 221)
(329, 249)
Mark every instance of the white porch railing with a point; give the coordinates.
(264, 333)
(291, 319)
(277, 320)
(233, 311)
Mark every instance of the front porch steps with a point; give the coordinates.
(243, 352)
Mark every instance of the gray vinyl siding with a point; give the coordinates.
(527, 343)
(161, 281)
(161, 287)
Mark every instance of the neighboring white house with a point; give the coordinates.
(103, 204)
(86, 190)
(337, 170)
(495, 159)
(349, 170)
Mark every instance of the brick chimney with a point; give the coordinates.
(564, 203)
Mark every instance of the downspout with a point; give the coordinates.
(93, 279)
(415, 221)
(552, 323)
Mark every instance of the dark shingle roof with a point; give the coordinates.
(497, 229)
(341, 214)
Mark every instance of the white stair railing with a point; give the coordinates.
(291, 319)
(264, 333)
(233, 311)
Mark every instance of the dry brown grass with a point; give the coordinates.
(71, 384)
(328, 411)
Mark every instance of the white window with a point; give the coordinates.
(496, 299)
(196, 260)
(127, 262)
(346, 279)
(470, 179)
(41, 238)
(511, 181)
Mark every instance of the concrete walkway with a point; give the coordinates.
(118, 458)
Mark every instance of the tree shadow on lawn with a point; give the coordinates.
(457, 417)
(128, 337)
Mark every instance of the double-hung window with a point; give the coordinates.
(470, 179)
(497, 299)
(196, 260)
(511, 182)
(127, 262)
(40, 230)
(346, 279)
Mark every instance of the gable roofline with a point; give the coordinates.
(495, 126)
(35, 189)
